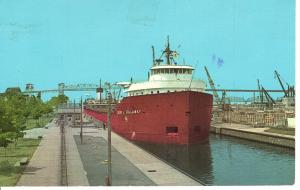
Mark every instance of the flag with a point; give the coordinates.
(220, 62)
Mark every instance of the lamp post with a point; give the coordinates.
(74, 113)
(109, 136)
(81, 119)
(109, 165)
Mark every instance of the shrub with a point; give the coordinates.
(6, 166)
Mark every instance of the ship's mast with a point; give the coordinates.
(153, 55)
(168, 52)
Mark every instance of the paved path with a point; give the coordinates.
(75, 170)
(86, 162)
(143, 161)
(93, 152)
(34, 133)
(44, 167)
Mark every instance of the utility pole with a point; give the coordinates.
(100, 92)
(74, 118)
(81, 119)
(109, 136)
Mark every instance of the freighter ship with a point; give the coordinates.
(171, 107)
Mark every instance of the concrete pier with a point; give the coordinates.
(154, 169)
(86, 162)
(255, 134)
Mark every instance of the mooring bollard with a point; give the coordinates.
(107, 181)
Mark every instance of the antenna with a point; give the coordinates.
(167, 45)
(153, 55)
(168, 52)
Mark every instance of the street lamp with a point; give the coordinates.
(74, 115)
(109, 168)
(81, 118)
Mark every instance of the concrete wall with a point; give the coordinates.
(265, 138)
(291, 122)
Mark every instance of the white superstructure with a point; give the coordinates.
(166, 78)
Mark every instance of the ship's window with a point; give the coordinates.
(190, 71)
(175, 71)
(158, 92)
(186, 71)
(171, 70)
(167, 71)
(172, 129)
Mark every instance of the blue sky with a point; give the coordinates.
(80, 41)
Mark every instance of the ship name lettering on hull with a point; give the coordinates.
(120, 112)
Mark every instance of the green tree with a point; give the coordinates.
(60, 99)
(5, 141)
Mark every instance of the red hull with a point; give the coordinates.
(169, 118)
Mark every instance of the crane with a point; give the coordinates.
(260, 93)
(278, 77)
(212, 85)
(268, 97)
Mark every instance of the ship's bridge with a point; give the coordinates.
(166, 79)
(171, 72)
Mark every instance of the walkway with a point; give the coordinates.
(146, 165)
(44, 167)
(75, 170)
(87, 162)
